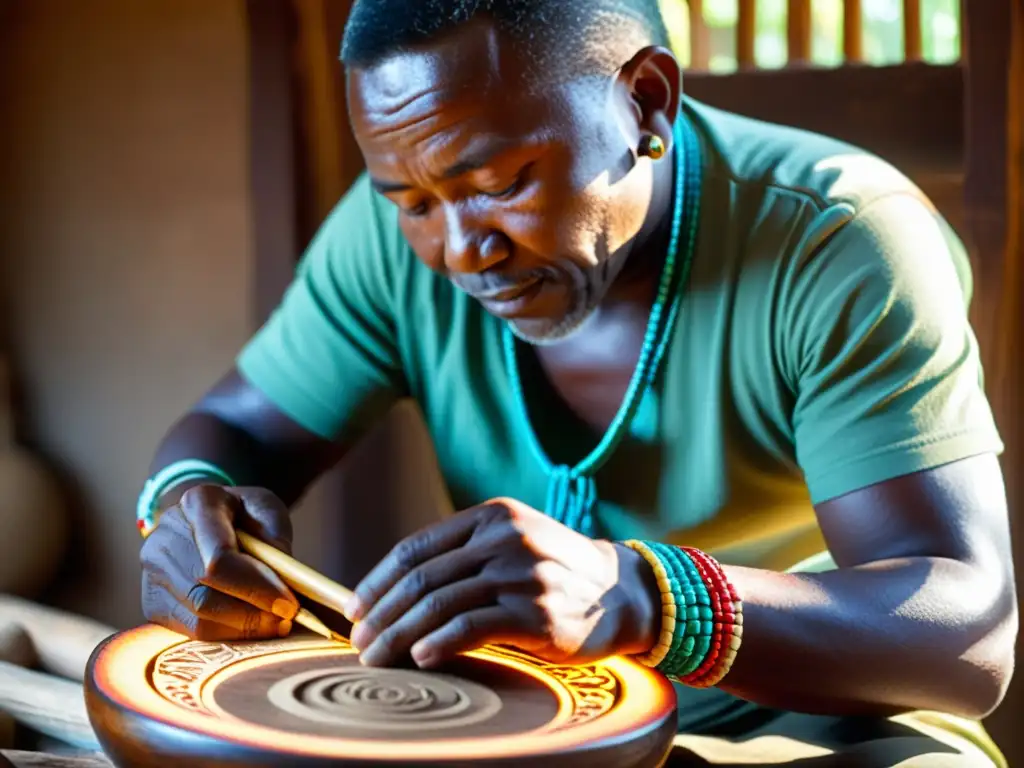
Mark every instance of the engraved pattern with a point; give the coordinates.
(384, 699)
(180, 672)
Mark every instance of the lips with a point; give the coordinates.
(512, 301)
(508, 294)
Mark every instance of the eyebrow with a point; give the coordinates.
(472, 161)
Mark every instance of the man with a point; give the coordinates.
(625, 316)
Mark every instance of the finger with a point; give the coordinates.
(173, 566)
(210, 605)
(251, 581)
(210, 512)
(468, 631)
(207, 603)
(423, 580)
(160, 607)
(179, 619)
(428, 543)
(266, 517)
(157, 599)
(427, 615)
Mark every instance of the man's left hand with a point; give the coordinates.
(504, 573)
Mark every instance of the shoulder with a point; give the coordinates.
(813, 205)
(782, 160)
(362, 223)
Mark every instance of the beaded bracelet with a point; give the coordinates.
(174, 474)
(730, 635)
(670, 599)
(728, 621)
(695, 616)
(702, 615)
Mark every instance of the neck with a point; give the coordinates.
(644, 256)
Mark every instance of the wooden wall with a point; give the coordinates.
(994, 229)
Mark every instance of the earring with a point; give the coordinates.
(652, 146)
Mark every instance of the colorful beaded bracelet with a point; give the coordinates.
(173, 474)
(702, 615)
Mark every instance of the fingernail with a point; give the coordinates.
(284, 609)
(360, 636)
(352, 609)
(369, 657)
(284, 628)
(422, 655)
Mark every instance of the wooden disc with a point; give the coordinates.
(154, 696)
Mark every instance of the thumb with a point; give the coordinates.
(265, 516)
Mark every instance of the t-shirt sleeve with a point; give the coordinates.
(328, 357)
(884, 364)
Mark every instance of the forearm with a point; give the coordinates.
(199, 435)
(916, 633)
(248, 460)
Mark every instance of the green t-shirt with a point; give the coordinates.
(823, 345)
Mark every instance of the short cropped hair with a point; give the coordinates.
(566, 38)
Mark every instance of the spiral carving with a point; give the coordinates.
(384, 699)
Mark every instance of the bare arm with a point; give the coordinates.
(921, 613)
(238, 429)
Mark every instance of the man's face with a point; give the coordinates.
(523, 197)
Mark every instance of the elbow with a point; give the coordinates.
(987, 668)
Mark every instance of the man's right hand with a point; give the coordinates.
(196, 581)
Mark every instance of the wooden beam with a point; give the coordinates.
(908, 113)
(994, 209)
(330, 158)
(272, 141)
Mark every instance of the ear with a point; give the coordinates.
(650, 85)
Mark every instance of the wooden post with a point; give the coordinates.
(700, 50)
(912, 30)
(799, 31)
(853, 31)
(994, 198)
(272, 145)
(746, 32)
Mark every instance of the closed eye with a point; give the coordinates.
(511, 190)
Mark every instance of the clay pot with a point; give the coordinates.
(33, 520)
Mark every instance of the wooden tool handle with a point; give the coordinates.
(296, 575)
(47, 704)
(63, 641)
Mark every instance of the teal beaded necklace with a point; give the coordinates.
(572, 491)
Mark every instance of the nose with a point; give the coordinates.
(471, 247)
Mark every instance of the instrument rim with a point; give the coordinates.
(108, 695)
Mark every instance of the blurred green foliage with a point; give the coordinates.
(882, 27)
